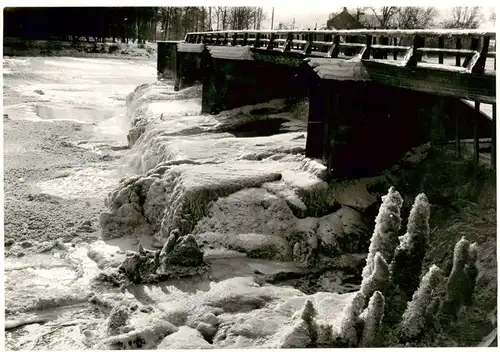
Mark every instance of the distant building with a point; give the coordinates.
(343, 20)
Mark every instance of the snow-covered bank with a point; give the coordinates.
(33, 48)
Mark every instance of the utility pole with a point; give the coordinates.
(272, 19)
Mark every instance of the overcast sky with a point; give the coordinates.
(307, 18)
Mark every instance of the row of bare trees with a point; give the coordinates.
(413, 17)
(175, 22)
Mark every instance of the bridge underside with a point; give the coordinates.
(363, 116)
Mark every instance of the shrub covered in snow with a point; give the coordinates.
(462, 279)
(351, 324)
(407, 262)
(387, 225)
(416, 315)
(372, 317)
(379, 278)
(404, 308)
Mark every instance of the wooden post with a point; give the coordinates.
(494, 137)
(459, 46)
(441, 46)
(367, 52)
(245, 39)
(234, 41)
(178, 71)
(309, 44)
(416, 56)
(270, 45)
(333, 120)
(334, 50)
(225, 40)
(483, 46)
(384, 41)
(316, 119)
(256, 44)
(476, 136)
(289, 42)
(457, 128)
(395, 53)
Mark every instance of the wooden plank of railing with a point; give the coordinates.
(462, 52)
(234, 40)
(352, 45)
(375, 32)
(394, 48)
(441, 47)
(245, 39)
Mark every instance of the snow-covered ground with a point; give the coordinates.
(76, 200)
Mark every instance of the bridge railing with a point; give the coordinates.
(470, 49)
(471, 52)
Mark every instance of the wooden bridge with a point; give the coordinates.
(373, 94)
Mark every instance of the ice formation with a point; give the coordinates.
(194, 176)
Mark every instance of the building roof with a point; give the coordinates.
(343, 20)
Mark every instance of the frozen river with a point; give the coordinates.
(244, 192)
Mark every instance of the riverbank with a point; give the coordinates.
(35, 48)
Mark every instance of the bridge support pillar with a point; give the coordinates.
(166, 59)
(232, 83)
(188, 70)
(358, 131)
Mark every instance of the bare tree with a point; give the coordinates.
(464, 17)
(385, 15)
(413, 17)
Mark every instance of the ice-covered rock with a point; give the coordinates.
(342, 231)
(185, 338)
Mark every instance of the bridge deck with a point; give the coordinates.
(464, 60)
